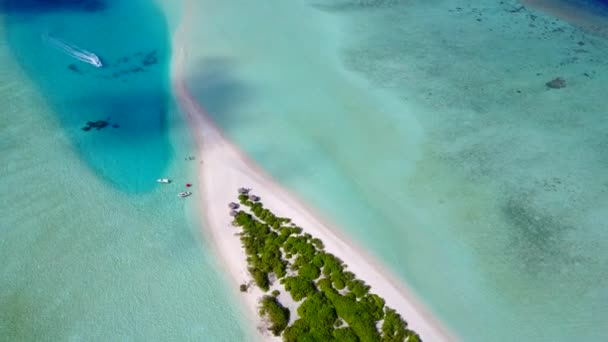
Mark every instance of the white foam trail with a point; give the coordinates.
(74, 51)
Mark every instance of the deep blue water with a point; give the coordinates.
(129, 92)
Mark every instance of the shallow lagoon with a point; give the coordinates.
(91, 247)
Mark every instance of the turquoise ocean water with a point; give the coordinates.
(91, 247)
(426, 131)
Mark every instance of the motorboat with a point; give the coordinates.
(74, 51)
(163, 180)
(184, 194)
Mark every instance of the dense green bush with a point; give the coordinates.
(413, 337)
(357, 287)
(318, 243)
(298, 329)
(324, 284)
(346, 334)
(374, 305)
(355, 314)
(309, 271)
(338, 280)
(318, 311)
(276, 313)
(348, 275)
(317, 260)
(331, 264)
(299, 287)
(393, 326)
(260, 278)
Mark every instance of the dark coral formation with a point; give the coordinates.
(556, 83)
(150, 58)
(99, 124)
(146, 60)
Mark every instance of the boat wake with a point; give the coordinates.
(74, 51)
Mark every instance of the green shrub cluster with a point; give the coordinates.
(329, 293)
(299, 287)
(262, 246)
(276, 313)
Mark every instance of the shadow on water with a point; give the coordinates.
(217, 90)
(222, 95)
(126, 100)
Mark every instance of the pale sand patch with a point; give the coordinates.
(224, 169)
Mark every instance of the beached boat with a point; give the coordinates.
(163, 180)
(184, 194)
(74, 51)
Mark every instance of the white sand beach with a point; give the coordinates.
(223, 168)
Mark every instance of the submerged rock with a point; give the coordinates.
(99, 124)
(556, 83)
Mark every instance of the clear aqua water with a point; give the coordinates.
(91, 247)
(426, 130)
(130, 93)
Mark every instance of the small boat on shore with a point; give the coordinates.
(184, 194)
(163, 180)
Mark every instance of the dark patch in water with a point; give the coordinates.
(75, 68)
(150, 59)
(121, 60)
(99, 124)
(217, 89)
(556, 83)
(538, 237)
(37, 6)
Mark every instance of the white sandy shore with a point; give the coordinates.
(225, 168)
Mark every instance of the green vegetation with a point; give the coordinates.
(276, 313)
(334, 305)
(243, 287)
